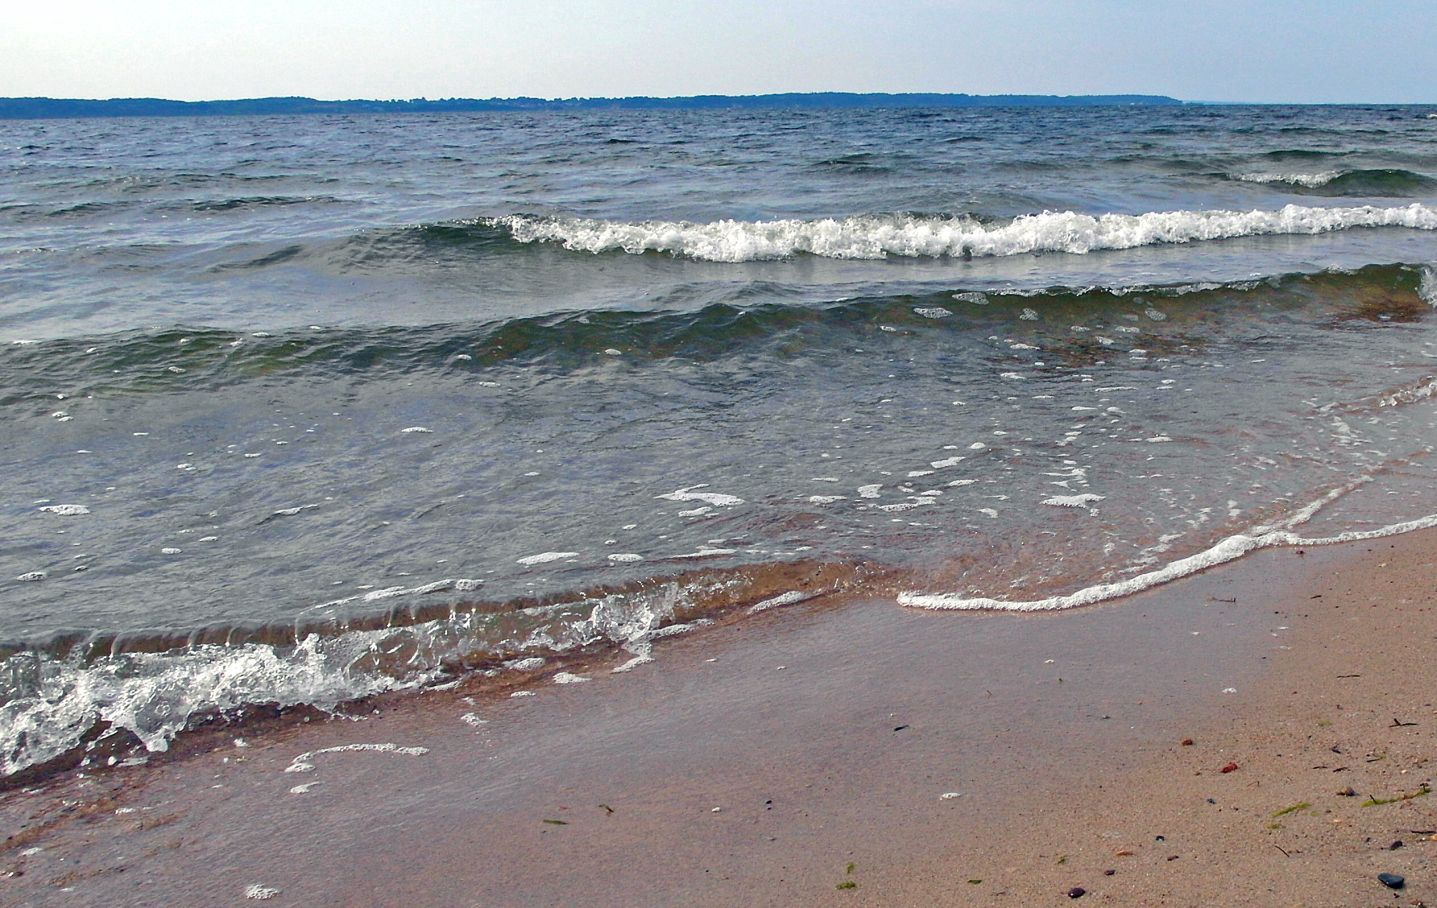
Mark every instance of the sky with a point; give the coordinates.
(1314, 51)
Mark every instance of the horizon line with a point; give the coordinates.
(562, 99)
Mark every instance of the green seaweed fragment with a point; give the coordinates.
(1301, 805)
(1375, 801)
(556, 822)
(848, 884)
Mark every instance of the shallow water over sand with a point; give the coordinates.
(306, 409)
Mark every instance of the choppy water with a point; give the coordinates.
(298, 409)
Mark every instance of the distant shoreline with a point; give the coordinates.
(65, 108)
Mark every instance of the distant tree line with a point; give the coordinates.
(55, 108)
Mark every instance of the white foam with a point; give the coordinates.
(305, 761)
(1072, 501)
(932, 311)
(717, 499)
(706, 552)
(290, 512)
(825, 499)
(870, 491)
(153, 694)
(415, 430)
(569, 678)
(674, 630)
(877, 237)
(525, 665)
(32, 576)
(546, 557)
(66, 510)
(1229, 549)
(782, 599)
(625, 557)
(256, 891)
(1427, 286)
(642, 658)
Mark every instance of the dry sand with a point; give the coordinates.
(801, 757)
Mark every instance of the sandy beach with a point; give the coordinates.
(839, 753)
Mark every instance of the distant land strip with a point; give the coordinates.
(59, 108)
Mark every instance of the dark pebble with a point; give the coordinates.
(1162, 838)
(1395, 845)
(1391, 880)
(1109, 872)
(1078, 892)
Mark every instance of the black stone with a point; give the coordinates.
(1391, 880)
(1077, 892)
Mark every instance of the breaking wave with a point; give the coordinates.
(1369, 182)
(878, 237)
(152, 687)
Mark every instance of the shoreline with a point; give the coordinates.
(828, 735)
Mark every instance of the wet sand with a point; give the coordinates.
(782, 758)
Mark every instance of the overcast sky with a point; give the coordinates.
(1254, 50)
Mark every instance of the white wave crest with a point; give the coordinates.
(1427, 288)
(1310, 180)
(878, 237)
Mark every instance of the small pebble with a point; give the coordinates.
(1077, 892)
(1109, 872)
(1347, 792)
(1391, 880)
(1395, 845)
(1187, 742)
(1231, 767)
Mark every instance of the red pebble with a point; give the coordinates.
(1231, 767)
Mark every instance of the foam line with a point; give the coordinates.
(1229, 549)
